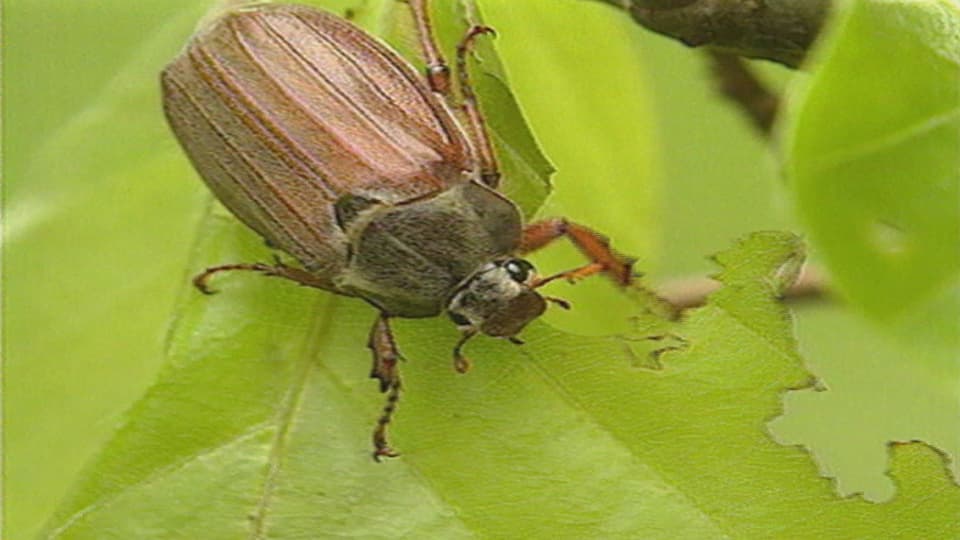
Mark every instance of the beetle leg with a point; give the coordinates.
(438, 77)
(591, 243)
(571, 276)
(438, 73)
(385, 358)
(275, 270)
(460, 362)
(487, 160)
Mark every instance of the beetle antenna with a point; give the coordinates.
(560, 302)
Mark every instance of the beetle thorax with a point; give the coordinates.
(409, 259)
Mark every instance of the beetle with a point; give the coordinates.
(378, 180)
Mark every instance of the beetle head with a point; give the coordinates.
(498, 299)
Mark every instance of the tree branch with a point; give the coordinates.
(778, 30)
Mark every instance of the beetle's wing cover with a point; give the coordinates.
(282, 109)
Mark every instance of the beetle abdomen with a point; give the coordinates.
(283, 109)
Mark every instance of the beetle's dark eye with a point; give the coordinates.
(518, 269)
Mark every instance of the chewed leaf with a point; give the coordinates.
(259, 425)
(265, 410)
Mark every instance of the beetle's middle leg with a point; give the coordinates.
(386, 356)
(591, 243)
(438, 77)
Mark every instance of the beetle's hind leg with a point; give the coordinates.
(385, 359)
(487, 160)
(438, 72)
(438, 77)
(278, 269)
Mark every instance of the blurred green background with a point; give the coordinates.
(101, 210)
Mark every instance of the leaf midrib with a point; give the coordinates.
(292, 403)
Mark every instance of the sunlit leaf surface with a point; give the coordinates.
(259, 420)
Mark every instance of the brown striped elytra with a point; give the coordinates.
(380, 181)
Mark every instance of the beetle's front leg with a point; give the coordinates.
(385, 369)
(591, 243)
(460, 362)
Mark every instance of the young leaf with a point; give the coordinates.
(874, 158)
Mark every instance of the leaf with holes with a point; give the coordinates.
(260, 427)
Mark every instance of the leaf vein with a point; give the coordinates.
(292, 405)
(833, 159)
(160, 474)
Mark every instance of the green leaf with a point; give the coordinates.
(260, 425)
(88, 290)
(877, 391)
(874, 157)
(99, 210)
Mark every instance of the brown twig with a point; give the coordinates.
(693, 292)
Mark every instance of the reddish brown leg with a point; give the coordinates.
(591, 243)
(438, 76)
(274, 270)
(487, 160)
(385, 359)
(572, 275)
(460, 362)
(438, 73)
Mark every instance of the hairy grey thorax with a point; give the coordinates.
(408, 259)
